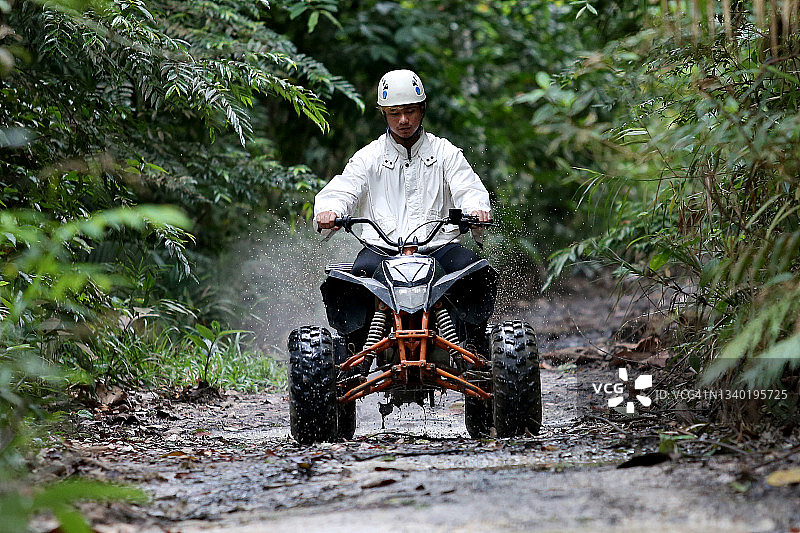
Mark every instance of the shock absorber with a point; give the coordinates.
(448, 331)
(376, 330)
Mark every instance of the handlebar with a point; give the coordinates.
(455, 217)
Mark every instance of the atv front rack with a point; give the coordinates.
(413, 371)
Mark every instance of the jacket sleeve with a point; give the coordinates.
(342, 194)
(469, 193)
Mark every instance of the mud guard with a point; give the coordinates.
(472, 291)
(349, 300)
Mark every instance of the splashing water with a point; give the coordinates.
(279, 272)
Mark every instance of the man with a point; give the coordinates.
(403, 179)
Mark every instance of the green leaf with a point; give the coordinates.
(543, 80)
(71, 521)
(333, 19)
(297, 9)
(527, 98)
(198, 341)
(312, 21)
(205, 332)
(658, 260)
(70, 491)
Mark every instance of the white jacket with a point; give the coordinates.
(400, 189)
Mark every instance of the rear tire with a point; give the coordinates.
(346, 420)
(517, 384)
(312, 385)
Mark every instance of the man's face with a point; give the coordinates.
(404, 120)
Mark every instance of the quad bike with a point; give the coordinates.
(402, 332)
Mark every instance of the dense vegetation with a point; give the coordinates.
(140, 140)
(697, 174)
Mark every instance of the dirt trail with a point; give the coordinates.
(229, 465)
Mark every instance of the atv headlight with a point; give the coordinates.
(410, 298)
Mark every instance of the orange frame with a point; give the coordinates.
(411, 343)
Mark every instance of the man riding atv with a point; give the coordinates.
(411, 312)
(402, 180)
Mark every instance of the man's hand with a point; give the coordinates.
(326, 219)
(483, 216)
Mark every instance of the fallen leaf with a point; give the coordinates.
(182, 454)
(458, 406)
(110, 396)
(660, 359)
(380, 483)
(647, 459)
(165, 415)
(648, 344)
(739, 486)
(626, 357)
(782, 478)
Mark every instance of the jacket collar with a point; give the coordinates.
(394, 150)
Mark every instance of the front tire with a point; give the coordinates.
(477, 417)
(345, 412)
(312, 385)
(478, 414)
(516, 381)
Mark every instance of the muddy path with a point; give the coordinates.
(227, 463)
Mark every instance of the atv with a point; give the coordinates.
(404, 332)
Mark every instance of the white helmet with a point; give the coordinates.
(400, 87)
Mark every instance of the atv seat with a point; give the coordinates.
(343, 267)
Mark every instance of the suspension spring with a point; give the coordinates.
(376, 330)
(447, 330)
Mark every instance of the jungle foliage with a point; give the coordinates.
(107, 107)
(697, 175)
(474, 58)
(216, 108)
(109, 111)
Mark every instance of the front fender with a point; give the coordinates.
(472, 290)
(349, 300)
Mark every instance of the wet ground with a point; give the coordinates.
(228, 464)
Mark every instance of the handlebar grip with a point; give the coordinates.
(342, 222)
(472, 220)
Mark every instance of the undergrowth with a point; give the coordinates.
(169, 359)
(698, 177)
